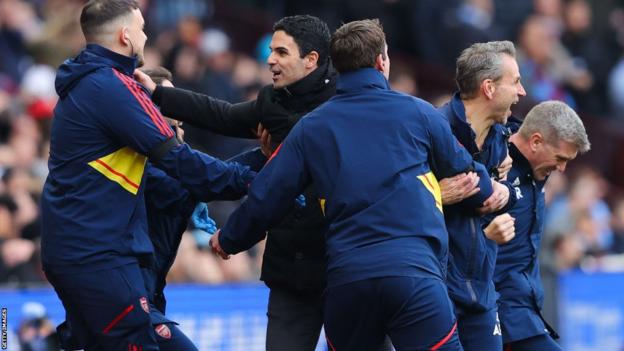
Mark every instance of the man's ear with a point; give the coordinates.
(488, 87)
(380, 63)
(123, 37)
(311, 60)
(535, 141)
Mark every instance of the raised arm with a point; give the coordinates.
(202, 111)
(130, 117)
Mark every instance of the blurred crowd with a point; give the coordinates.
(569, 50)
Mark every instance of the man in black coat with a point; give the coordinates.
(294, 259)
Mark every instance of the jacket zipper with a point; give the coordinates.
(473, 295)
(473, 248)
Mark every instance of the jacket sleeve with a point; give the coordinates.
(253, 158)
(131, 117)
(124, 111)
(165, 193)
(270, 196)
(202, 111)
(205, 177)
(449, 158)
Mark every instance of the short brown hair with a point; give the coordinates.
(158, 74)
(357, 44)
(97, 13)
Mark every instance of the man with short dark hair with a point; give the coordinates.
(293, 265)
(550, 136)
(370, 153)
(105, 128)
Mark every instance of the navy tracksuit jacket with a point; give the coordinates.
(472, 255)
(517, 275)
(93, 207)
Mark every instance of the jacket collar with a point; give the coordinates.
(322, 75)
(123, 63)
(520, 163)
(459, 123)
(362, 78)
(310, 91)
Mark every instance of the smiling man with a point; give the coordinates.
(293, 265)
(551, 136)
(488, 79)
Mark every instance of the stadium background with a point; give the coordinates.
(569, 50)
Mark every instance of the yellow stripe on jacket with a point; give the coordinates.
(124, 167)
(431, 183)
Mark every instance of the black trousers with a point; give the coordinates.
(295, 320)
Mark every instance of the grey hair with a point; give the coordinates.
(556, 122)
(479, 62)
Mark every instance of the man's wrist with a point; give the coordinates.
(157, 95)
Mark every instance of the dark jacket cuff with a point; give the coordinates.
(228, 245)
(157, 95)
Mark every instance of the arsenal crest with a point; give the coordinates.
(163, 330)
(144, 304)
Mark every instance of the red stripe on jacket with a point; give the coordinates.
(135, 185)
(147, 105)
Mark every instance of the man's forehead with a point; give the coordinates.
(282, 39)
(511, 65)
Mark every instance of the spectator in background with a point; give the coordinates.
(403, 78)
(16, 253)
(470, 22)
(35, 331)
(546, 67)
(590, 51)
(18, 25)
(550, 11)
(584, 213)
(165, 14)
(214, 46)
(617, 223)
(20, 186)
